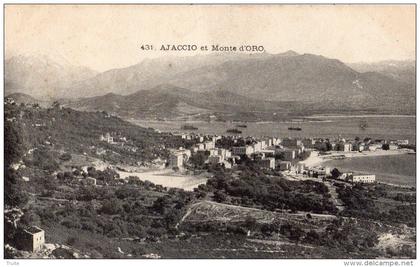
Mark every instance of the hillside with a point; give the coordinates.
(167, 101)
(148, 73)
(53, 131)
(404, 71)
(20, 98)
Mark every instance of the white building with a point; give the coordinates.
(300, 167)
(208, 145)
(107, 138)
(363, 178)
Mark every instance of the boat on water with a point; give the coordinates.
(294, 129)
(235, 131)
(242, 125)
(188, 127)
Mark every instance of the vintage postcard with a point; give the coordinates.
(210, 131)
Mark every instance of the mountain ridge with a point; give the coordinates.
(284, 77)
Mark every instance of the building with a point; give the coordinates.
(402, 142)
(107, 138)
(31, 239)
(269, 163)
(224, 153)
(283, 165)
(90, 181)
(176, 160)
(359, 147)
(300, 167)
(213, 152)
(363, 178)
(289, 154)
(393, 147)
(215, 159)
(345, 176)
(242, 150)
(257, 147)
(227, 164)
(288, 142)
(309, 142)
(208, 145)
(374, 147)
(346, 147)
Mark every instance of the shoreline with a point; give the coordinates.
(315, 159)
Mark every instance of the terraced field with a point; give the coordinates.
(208, 211)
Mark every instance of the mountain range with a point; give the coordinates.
(287, 83)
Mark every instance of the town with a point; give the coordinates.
(289, 155)
(119, 180)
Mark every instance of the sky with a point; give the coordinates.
(103, 37)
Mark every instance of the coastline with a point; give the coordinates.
(315, 159)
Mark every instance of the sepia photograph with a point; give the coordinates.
(204, 131)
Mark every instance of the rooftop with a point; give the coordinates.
(33, 229)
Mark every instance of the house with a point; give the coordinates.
(346, 147)
(300, 167)
(107, 138)
(215, 159)
(209, 145)
(309, 142)
(242, 150)
(374, 147)
(393, 147)
(283, 165)
(213, 152)
(345, 176)
(359, 147)
(200, 146)
(257, 147)
(9, 101)
(268, 163)
(224, 153)
(90, 181)
(402, 142)
(363, 178)
(289, 154)
(288, 142)
(31, 239)
(176, 160)
(227, 164)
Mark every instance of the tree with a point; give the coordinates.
(250, 223)
(220, 196)
(385, 146)
(198, 159)
(112, 206)
(312, 237)
(335, 173)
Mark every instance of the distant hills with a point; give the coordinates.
(404, 71)
(42, 76)
(167, 101)
(287, 83)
